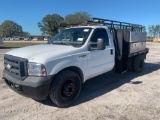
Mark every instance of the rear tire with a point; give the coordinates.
(138, 63)
(65, 88)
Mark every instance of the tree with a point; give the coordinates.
(154, 30)
(150, 31)
(10, 28)
(78, 17)
(157, 29)
(50, 23)
(1, 31)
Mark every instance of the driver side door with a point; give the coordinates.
(100, 61)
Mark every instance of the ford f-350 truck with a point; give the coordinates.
(79, 52)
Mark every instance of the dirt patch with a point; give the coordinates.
(130, 96)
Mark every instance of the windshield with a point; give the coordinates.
(72, 36)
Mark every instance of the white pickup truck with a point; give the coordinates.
(76, 54)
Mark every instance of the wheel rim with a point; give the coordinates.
(68, 89)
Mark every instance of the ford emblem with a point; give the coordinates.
(8, 66)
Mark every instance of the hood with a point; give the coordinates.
(43, 52)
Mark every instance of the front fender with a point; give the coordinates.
(62, 65)
(53, 67)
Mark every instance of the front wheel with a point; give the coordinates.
(65, 88)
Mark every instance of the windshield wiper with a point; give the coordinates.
(61, 43)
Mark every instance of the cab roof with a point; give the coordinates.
(93, 27)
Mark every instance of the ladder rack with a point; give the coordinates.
(112, 24)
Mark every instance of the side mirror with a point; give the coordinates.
(101, 45)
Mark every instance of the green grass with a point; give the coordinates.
(19, 44)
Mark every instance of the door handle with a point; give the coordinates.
(111, 51)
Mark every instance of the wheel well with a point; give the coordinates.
(76, 70)
(133, 57)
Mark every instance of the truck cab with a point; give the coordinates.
(56, 70)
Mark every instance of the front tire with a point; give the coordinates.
(65, 88)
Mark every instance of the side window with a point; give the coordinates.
(100, 33)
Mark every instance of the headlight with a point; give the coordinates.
(36, 69)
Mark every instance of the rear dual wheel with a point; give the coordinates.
(138, 63)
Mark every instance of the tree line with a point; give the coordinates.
(10, 28)
(154, 31)
(50, 25)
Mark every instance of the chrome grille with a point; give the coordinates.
(15, 66)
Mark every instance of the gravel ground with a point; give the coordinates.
(130, 96)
